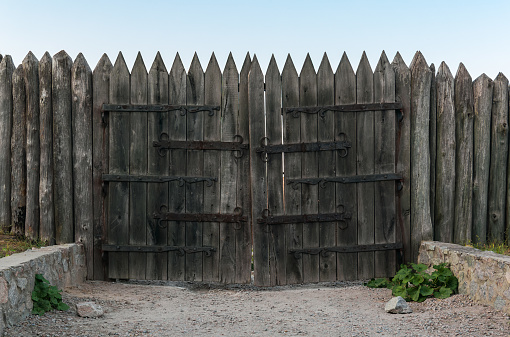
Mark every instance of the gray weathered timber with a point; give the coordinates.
(365, 165)
(278, 253)
(346, 196)
(309, 167)
(100, 95)
(444, 214)
(31, 76)
(6, 70)
(244, 235)
(47, 214)
(464, 116)
(499, 156)
(258, 174)
(433, 140)
(62, 147)
(325, 133)
(228, 179)
(18, 153)
(421, 224)
(118, 194)
(177, 167)
(385, 138)
(482, 92)
(157, 194)
(403, 153)
(292, 165)
(212, 160)
(138, 147)
(195, 167)
(81, 84)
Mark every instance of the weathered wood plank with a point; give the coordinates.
(62, 147)
(326, 164)
(482, 92)
(138, 147)
(385, 138)
(157, 194)
(433, 140)
(6, 105)
(18, 153)
(244, 235)
(258, 175)
(100, 95)
(464, 116)
(118, 195)
(31, 76)
(292, 166)
(47, 214)
(195, 167)
(309, 166)
(365, 165)
(345, 130)
(421, 224)
(277, 252)
(499, 156)
(177, 167)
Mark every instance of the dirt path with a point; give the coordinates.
(333, 309)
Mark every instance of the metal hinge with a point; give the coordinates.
(164, 144)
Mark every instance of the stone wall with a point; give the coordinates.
(483, 275)
(64, 266)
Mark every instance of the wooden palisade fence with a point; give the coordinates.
(58, 144)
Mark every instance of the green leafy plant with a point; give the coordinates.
(413, 283)
(46, 297)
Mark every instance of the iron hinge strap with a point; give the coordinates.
(157, 179)
(344, 180)
(237, 217)
(303, 218)
(184, 109)
(324, 251)
(321, 110)
(158, 249)
(265, 148)
(164, 144)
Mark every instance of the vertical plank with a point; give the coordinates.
(444, 214)
(385, 138)
(47, 214)
(157, 194)
(278, 253)
(229, 168)
(464, 116)
(403, 95)
(6, 104)
(309, 166)
(244, 235)
(366, 165)
(118, 195)
(421, 77)
(31, 76)
(81, 84)
(212, 160)
(326, 133)
(100, 95)
(433, 140)
(195, 167)
(482, 92)
(292, 167)
(346, 194)
(499, 156)
(138, 147)
(62, 147)
(18, 153)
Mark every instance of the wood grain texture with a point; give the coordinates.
(18, 153)
(464, 116)
(346, 194)
(31, 76)
(483, 87)
(445, 160)
(62, 147)
(47, 213)
(81, 84)
(100, 95)
(433, 140)
(6, 105)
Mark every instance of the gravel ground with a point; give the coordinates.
(328, 309)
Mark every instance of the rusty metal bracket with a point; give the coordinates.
(268, 219)
(344, 180)
(184, 109)
(237, 217)
(324, 251)
(321, 110)
(164, 144)
(158, 249)
(157, 179)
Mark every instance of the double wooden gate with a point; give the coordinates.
(199, 173)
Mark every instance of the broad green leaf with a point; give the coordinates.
(426, 291)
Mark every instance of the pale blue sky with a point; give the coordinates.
(472, 32)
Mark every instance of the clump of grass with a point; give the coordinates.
(496, 247)
(18, 244)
